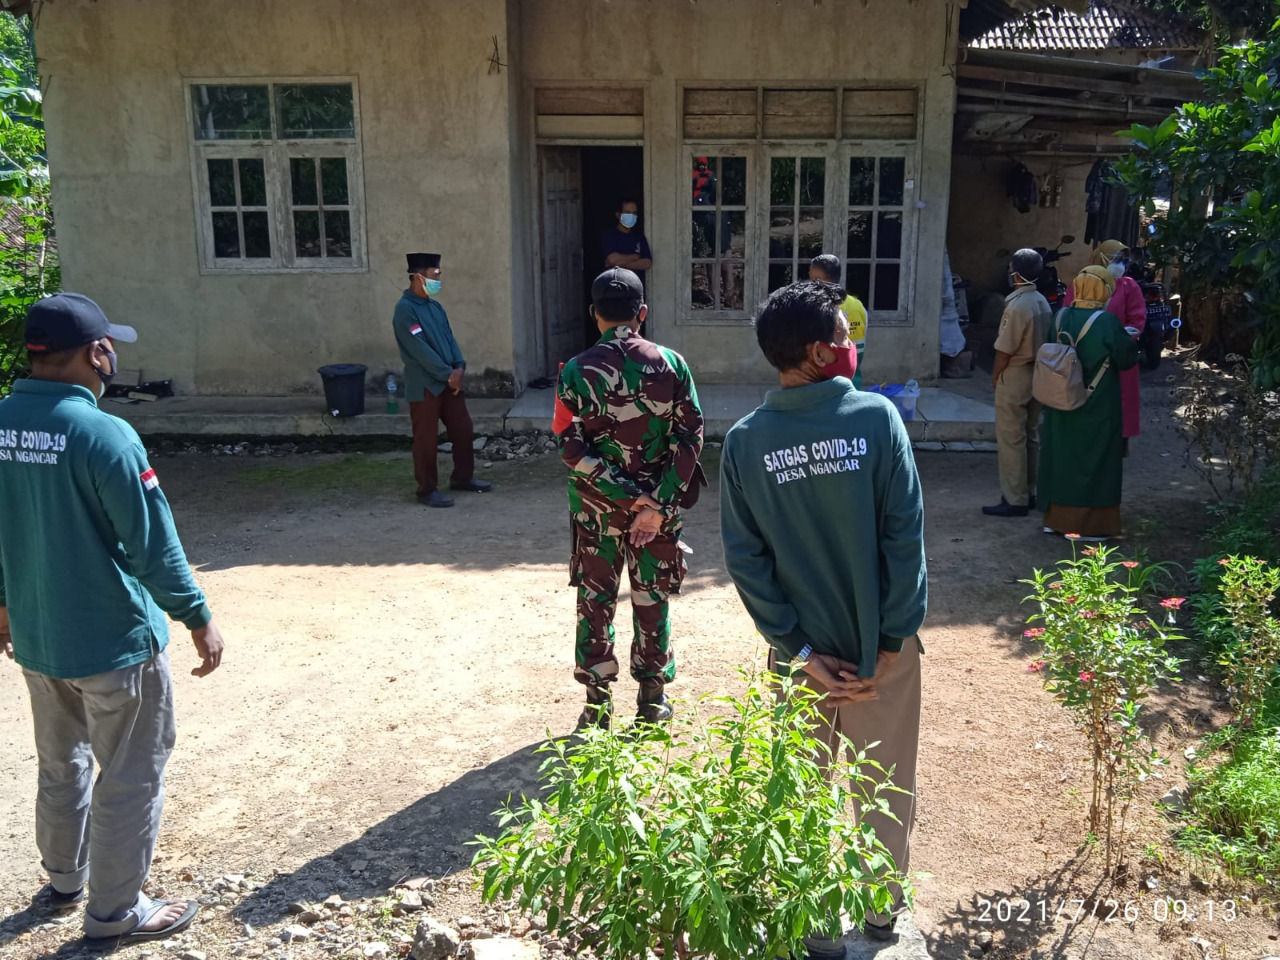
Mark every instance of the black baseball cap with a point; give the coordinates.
(69, 320)
(617, 283)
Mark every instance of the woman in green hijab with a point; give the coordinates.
(1081, 450)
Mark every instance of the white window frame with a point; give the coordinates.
(751, 262)
(824, 150)
(907, 151)
(759, 152)
(276, 155)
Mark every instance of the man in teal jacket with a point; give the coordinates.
(823, 527)
(433, 370)
(90, 564)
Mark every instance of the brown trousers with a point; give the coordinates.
(426, 415)
(894, 721)
(1017, 434)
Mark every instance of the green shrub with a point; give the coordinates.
(724, 834)
(1235, 802)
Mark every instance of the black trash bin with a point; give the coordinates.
(344, 388)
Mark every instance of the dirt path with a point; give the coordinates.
(390, 670)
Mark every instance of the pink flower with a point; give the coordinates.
(1130, 564)
(1089, 614)
(1033, 633)
(1173, 603)
(1089, 551)
(1073, 599)
(1073, 536)
(1055, 586)
(1224, 561)
(1087, 676)
(1036, 666)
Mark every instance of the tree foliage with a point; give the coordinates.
(1222, 156)
(28, 263)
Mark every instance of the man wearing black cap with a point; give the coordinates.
(433, 370)
(90, 564)
(630, 429)
(1023, 328)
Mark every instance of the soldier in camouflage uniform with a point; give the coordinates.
(630, 429)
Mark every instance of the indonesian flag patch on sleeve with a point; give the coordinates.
(416, 329)
(149, 479)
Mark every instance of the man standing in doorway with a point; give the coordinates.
(623, 245)
(433, 371)
(822, 520)
(630, 429)
(1023, 328)
(90, 564)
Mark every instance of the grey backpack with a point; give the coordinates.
(1058, 378)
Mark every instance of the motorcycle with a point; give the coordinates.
(1049, 285)
(1159, 312)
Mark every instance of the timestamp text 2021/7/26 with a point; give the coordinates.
(1154, 909)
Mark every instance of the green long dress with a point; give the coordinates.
(1081, 451)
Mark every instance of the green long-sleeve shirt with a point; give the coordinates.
(427, 347)
(823, 522)
(89, 556)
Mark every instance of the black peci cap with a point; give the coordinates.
(1028, 264)
(422, 261)
(69, 320)
(617, 283)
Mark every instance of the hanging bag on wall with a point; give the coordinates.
(1058, 378)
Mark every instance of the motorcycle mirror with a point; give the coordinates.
(1068, 238)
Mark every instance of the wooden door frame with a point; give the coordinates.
(534, 179)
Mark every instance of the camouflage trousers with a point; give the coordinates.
(600, 547)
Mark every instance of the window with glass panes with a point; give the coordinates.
(277, 175)
(874, 267)
(718, 234)
(797, 221)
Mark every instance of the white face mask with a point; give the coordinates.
(1116, 268)
(629, 220)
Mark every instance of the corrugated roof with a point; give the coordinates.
(1108, 25)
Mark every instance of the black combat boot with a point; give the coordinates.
(652, 703)
(599, 707)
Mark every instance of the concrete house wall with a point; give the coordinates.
(448, 157)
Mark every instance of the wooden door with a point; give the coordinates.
(560, 170)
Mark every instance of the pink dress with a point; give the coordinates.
(1130, 307)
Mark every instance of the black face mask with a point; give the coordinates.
(110, 375)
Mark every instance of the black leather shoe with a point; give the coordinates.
(435, 499)
(1005, 509)
(652, 705)
(472, 486)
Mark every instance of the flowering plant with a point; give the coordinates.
(1102, 656)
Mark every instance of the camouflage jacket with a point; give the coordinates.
(635, 428)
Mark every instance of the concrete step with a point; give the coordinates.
(942, 416)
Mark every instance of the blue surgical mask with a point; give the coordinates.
(432, 287)
(1116, 268)
(629, 220)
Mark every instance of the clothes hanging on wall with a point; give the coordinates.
(1023, 188)
(1111, 215)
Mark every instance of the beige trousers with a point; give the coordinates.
(894, 721)
(1017, 435)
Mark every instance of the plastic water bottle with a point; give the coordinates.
(393, 405)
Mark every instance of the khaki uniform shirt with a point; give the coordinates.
(1025, 324)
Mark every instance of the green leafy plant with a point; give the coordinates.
(1234, 805)
(1102, 657)
(1221, 154)
(28, 260)
(724, 834)
(1252, 658)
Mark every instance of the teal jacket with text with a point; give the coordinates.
(822, 519)
(90, 561)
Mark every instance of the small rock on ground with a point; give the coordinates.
(504, 949)
(434, 941)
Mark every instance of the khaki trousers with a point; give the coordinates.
(1017, 434)
(894, 722)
